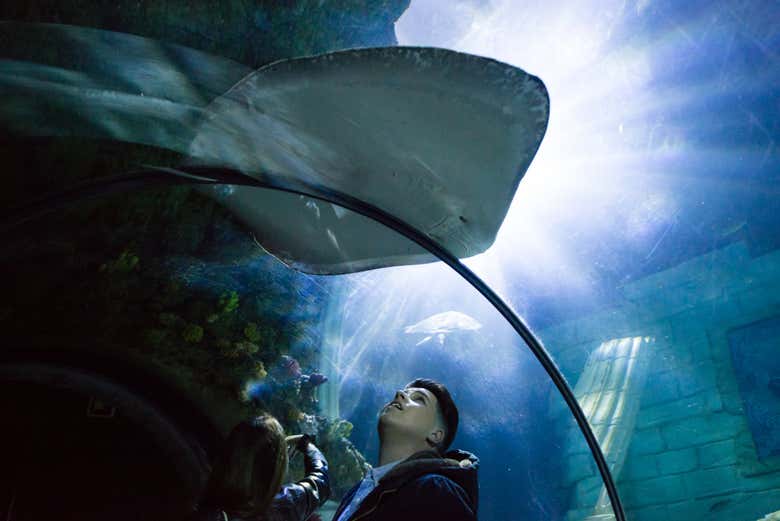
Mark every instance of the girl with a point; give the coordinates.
(246, 481)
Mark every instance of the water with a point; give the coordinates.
(641, 248)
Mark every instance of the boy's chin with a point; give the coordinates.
(386, 422)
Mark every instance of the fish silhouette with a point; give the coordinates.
(440, 325)
(314, 379)
(289, 367)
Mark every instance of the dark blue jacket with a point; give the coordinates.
(424, 486)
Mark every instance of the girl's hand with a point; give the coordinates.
(294, 439)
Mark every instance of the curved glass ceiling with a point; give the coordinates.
(171, 279)
(642, 246)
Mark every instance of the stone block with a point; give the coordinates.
(639, 467)
(727, 381)
(659, 330)
(699, 404)
(579, 514)
(726, 507)
(562, 335)
(733, 314)
(572, 360)
(575, 443)
(644, 287)
(701, 430)
(700, 349)
(587, 491)
(746, 448)
(597, 329)
(766, 264)
(660, 389)
(718, 454)
(763, 502)
(719, 265)
(646, 441)
(693, 379)
(707, 508)
(600, 517)
(669, 359)
(755, 305)
(713, 481)
(688, 328)
(677, 461)
(578, 468)
(652, 513)
(673, 301)
(655, 491)
(732, 402)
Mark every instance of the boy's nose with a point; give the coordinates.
(400, 395)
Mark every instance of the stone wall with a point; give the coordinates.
(691, 454)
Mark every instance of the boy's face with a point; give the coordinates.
(413, 412)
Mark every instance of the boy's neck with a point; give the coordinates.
(390, 452)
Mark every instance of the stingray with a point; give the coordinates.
(436, 138)
(442, 324)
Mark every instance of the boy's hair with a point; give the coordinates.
(249, 471)
(447, 408)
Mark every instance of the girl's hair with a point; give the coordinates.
(249, 471)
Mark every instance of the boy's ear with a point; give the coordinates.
(435, 437)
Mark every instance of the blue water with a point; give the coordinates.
(641, 248)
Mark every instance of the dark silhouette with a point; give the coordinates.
(246, 481)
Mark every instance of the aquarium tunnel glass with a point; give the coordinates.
(188, 290)
(642, 245)
(641, 248)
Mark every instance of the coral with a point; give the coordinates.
(251, 333)
(146, 272)
(192, 333)
(248, 348)
(228, 302)
(125, 263)
(347, 464)
(340, 429)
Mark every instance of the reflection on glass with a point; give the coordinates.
(175, 283)
(650, 212)
(389, 326)
(608, 390)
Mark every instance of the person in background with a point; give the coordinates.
(246, 480)
(417, 479)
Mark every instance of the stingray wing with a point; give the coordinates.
(437, 138)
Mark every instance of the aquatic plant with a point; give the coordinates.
(126, 262)
(248, 348)
(251, 333)
(124, 269)
(192, 333)
(340, 429)
(228, 302)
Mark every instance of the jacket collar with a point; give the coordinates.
(458, 465)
